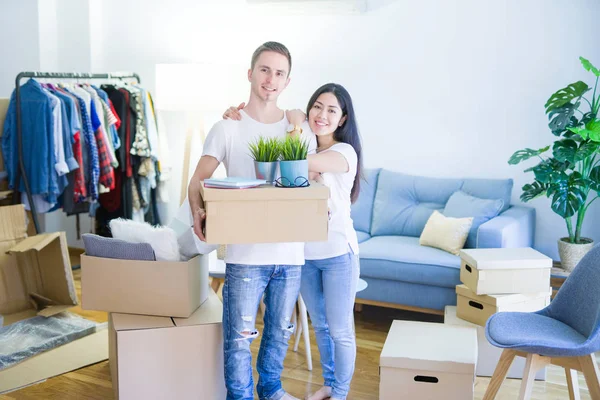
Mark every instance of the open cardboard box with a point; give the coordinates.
(162, 288)
(266, 214)
(36, 279)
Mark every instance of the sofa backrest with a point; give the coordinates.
(362, 210)
(403, 203)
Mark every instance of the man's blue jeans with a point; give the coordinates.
(329, 289)
(243, 289)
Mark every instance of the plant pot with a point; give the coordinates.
(294, 173)
(266, 170)
(571, 253)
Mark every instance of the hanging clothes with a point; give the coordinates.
(87, 149)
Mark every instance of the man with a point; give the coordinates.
(272, 269)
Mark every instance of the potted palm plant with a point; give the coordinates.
(294, 163)
(570, 174)
(266, 153)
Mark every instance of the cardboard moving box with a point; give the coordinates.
(487, 354)
(168, 358)
(35, 272)
(505, 270)
(479, 308)
(163, 288)
(423, 360)
(36, 279)
(266, 214)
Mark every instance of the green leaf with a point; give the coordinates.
(565, 95)
(565, 150)
(533, 190)
(588, 66)
(294, 148)
(591, 131)
(586, 150)
(526, 154)
(567, 194)
(265, 149)
(562, 118)
(594, 179)
(543, 171)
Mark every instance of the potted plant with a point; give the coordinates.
(266, 153)
(570, 174)
(294, 165)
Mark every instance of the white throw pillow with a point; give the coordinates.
(446, 233)
(162, 239)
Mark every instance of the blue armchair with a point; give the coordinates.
(566, 333)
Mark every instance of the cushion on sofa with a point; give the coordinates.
(461, 205)
(446, 233)
(401, 258)
(490, 189)
(404, 203)
(362, 236)
(362, 210)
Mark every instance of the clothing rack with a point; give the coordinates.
(48, 75)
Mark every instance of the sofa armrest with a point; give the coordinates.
(515, 227)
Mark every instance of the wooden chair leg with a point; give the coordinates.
(215, 284)
(506, 359)
(532, 366)
(572, 384)
(590, 372)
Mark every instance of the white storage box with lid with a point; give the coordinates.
(504, 271)
(488, 355)
(428, 361)
(479, 308)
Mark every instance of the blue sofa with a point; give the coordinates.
(390, 215)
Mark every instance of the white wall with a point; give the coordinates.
(18, 19)
(441, 88)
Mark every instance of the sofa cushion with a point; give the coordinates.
(401, 258)
(362, 209)
(404, 203)
(490, 189)
(362, 236)
(461, 205)
(446, 233)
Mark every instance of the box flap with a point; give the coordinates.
(315, 191)
(499, 300)
(14, 223)
(209, 312)
(37, 242)
(505, 258)
(68, 357)
(129, 322)
(37, 275)
(424, 346)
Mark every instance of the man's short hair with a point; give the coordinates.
(271, 46)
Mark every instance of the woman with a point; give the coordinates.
(330, 274)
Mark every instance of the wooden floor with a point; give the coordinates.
(372, 325)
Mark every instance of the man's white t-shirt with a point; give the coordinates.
(341, 228)
(228, 142)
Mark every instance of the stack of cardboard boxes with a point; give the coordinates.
(165, 333)
(494, 280)
(165, 337)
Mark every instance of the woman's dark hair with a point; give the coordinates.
(348, 132)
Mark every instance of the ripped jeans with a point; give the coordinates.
(243, 289)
